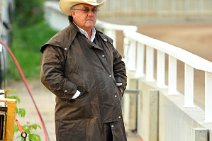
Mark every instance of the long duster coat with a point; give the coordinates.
(71, 62)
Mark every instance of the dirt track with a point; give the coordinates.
(195, 38)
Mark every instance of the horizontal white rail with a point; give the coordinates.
(178, 53)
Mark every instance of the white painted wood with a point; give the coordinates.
(126, 107)
(189, 86)
(160, 69)
(130, 57)
(172, 76)
(140, 60)
(126, 48)
(208, 97)
(139, 116)
(182, 55)
(149, 64)
(111, 34)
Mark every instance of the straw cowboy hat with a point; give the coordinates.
(65, 5)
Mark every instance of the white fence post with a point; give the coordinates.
(130, 54)
(149, 64)
(160, 69)
(172, 76)
(111, 34)
(201, 134)
(189, 86)
(208, 97)
(140, 61)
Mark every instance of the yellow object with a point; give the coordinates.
(10, 118)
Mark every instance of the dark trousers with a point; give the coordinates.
(108, 132)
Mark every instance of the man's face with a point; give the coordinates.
(84, 16)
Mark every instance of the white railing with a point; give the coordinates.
(111, 29)
(137, 43)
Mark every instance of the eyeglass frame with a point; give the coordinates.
(87, 10)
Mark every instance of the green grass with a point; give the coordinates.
(26, 45)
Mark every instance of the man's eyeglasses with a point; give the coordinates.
(86, 9)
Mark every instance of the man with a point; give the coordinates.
(87, 75)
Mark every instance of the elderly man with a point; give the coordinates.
(87, 75)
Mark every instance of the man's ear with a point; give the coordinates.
(72, 13)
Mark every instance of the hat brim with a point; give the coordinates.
(65, 6)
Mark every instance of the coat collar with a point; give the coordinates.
(103, 38)
(65, 37)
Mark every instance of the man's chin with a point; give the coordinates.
(90, 25)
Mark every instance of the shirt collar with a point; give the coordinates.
(86, 34)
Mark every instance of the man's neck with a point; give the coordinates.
(90, 35)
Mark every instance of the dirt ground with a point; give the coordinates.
(195, 38)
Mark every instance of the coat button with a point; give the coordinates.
(112, 126)
(110, 75)
(103, 56)
(65, 49)
(119, 117)
(115, 96)
(105, 40)
(65, 91)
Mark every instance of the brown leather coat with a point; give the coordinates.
(70, 62)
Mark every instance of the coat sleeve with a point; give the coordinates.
(119, 70)
(52, 73)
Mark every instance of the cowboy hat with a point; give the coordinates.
(65, 5)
